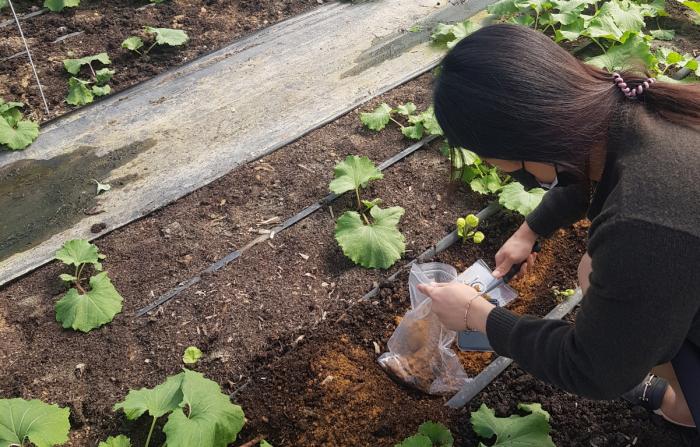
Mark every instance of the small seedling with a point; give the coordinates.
(199, 414)
(531, 430)
(466, 229)
(102, 187)
(449, 35)
(32, 421)
(562, 295)
(264, 443)
(118, 441)
(80, 91)
(430, 434)
(60, 5)
(192, 355)
(84, 309)
(418, 125)
(369, 236)
(15, 132)
(163, 36)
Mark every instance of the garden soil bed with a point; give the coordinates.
(329, 390)
(211, 24)
(269, 323)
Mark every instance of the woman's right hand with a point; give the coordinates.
(518, 248)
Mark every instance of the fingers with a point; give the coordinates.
(502, 267)
(425, 289)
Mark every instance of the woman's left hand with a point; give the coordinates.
(450, 304)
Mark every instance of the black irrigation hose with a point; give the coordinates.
(26, 16)
(684, 72)
(218, 265)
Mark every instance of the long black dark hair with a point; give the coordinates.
(509, 92)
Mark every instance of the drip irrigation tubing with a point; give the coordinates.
(495, 368)
(23, 17)
(684, 72)
(428, 254)
(232, 256)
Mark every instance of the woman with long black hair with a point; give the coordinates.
(525, 105)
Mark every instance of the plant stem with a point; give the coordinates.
(359, 202)
(365, 218)
(150, 48)
(150, 432)
(401, 125)
(599, 44)
(92, 70)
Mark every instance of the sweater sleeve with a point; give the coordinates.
(637, 312)
(561, 206)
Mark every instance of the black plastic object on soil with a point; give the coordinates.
(303, 214)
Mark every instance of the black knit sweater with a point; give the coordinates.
(644, 241)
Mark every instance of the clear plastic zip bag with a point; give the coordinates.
(420, 349)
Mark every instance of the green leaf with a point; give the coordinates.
(19, 133)
(78, 251)
(192, 355)
(377, 245)
(502, 8)
(7, 106)
(471, 220)
(41, 424)
(205, 418)
(415, 29)
(663, 34)
(119, 441)
(622, 56)
(104, 75)
(168, 36)
(693, 5)
(377, 119)
(569, 32)
(72, 66)
(515, 198)
(406, 109)
(414, 132)
(132, 43)
(535, 407)
(428, 120)
(78, 93)
(84, 312)
(450, 35)
(478, 237)
(371, 203)
(521, 431)
(67, 278)
(416, 441)
(60, 5)
(352, 173)
(3, 3)
(157, 401)
(101, 91)
(439, 435)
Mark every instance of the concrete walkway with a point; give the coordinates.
(181, 130)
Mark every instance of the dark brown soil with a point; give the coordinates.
(271, 293)
(687, 33)
(210, 24)
(329, 389)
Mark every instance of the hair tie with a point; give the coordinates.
(632, 92)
